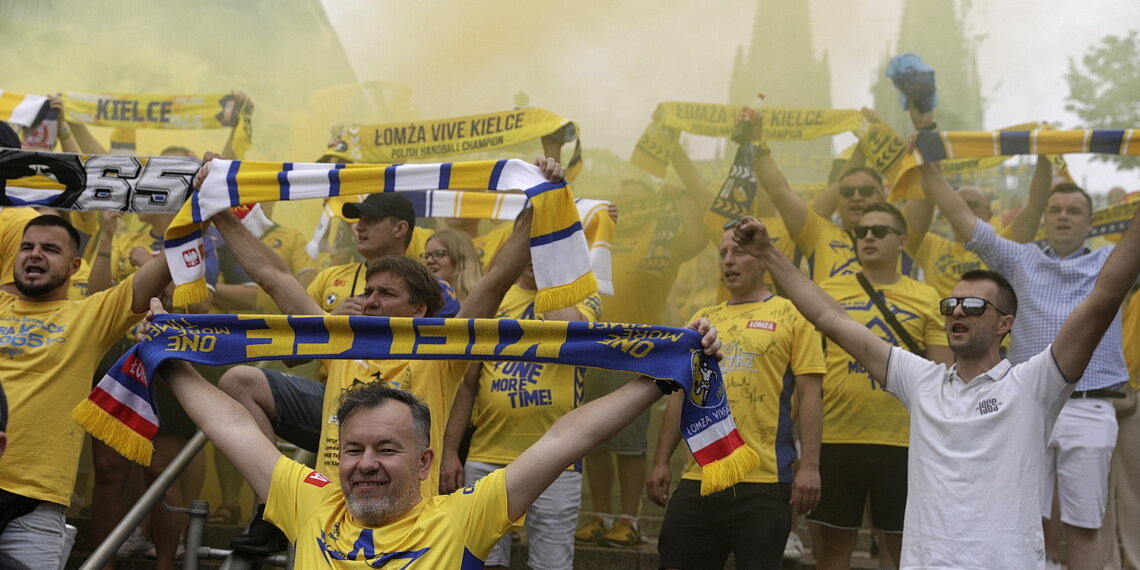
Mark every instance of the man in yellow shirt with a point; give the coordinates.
(772, 354)
(391, 286)
(52, 346)
(865, 435)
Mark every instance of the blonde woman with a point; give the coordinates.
(449, 255)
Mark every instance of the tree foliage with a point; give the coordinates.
(1104, 90)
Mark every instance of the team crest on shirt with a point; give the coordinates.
(763, 325)
(331, 299)
(317, 480)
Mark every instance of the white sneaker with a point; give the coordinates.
(136, 545)
(794, 550)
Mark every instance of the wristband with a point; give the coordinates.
(930, 127)
(667, 386)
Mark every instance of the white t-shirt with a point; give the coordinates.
(977, 452)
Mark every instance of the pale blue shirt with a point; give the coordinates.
(1048, 289)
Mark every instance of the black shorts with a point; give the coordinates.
(298, 402)
(751, 520)
(848, 473)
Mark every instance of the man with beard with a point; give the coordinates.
(51, 347)
(378, 515)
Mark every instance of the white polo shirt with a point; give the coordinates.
(977, 452)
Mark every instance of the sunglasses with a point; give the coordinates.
(972, 306)
(864, 191)
(880, 231)
(436, 254)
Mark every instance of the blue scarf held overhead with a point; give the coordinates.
(121, 409)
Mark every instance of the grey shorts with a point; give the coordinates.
(298, 402)
(632, 439)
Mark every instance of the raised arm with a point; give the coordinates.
(222, 419)
(919, 213)
(961, 218)
(582, 429)
(265, 267)
(792, 208)
(1023, 228)
(814, 303)
(1085, 326)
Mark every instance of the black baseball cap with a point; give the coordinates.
(380, 205)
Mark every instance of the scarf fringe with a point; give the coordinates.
(557, 297)
(113, 432)
(727, 471)
(187, 294)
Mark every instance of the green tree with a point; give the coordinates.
(1104, 89)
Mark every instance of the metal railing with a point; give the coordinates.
(198, 511)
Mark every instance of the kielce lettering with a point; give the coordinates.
(496, 124)
(128, 110)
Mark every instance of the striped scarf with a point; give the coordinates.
(738, 193)
(654, 149)
(558, 244)
(499, 206)
(22, 110)
(121, 409)
(885, 152)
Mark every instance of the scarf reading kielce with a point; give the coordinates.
(147, 111)
(654, 149)
(121, 409)
(558, 244)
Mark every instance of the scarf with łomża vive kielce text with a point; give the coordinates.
(654, 149)
(121, 409)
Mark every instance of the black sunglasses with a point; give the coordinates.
(880, 231)
(972, 306)
(864, 191)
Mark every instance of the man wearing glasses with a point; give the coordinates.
(979, 427)
(1051, 281)
(865, 430)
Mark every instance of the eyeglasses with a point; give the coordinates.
(864, 191)
(880, 231)
(972, 306)
(436, 254)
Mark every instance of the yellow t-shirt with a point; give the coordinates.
(49, 353)
(432, 381)
(337, 283)
(640, 292)
(488, 244)
(121, 266)
(943, 261)
(517, 402)
(449, 531)
(77, 289)
(828, 250)
(12, 223)
(761, 341)
(290, 245)
(418, 245)
(856, 409)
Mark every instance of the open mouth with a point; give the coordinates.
(959, 328)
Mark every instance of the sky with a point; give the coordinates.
(606, 64)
